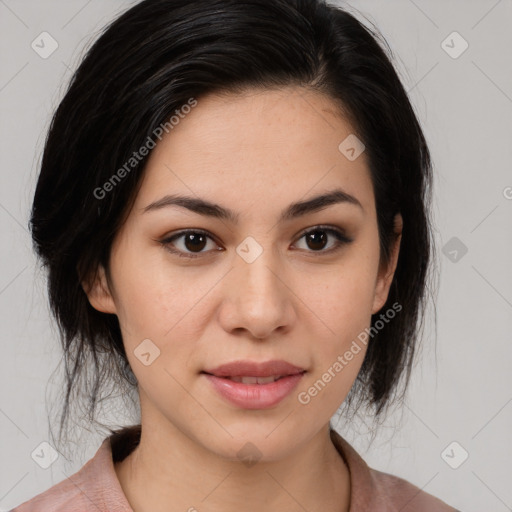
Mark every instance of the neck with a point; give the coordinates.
(174, 473)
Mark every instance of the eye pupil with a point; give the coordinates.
(197, 239)
(317, 237)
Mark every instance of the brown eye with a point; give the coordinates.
(192, 245)
(194, 241)
(317, 239)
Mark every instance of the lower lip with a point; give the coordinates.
(255, 396)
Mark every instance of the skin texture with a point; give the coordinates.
(254, 153)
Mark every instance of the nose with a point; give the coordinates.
(257, 299)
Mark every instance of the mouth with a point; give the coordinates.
(254, 385)
(264, 372)
(253, 380)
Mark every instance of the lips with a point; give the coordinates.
(252, 372)
(253, 385)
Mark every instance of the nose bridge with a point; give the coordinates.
(258, 295)
(257, 268)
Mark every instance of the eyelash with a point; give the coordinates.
(341, 240)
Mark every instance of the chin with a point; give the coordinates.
(256, 441)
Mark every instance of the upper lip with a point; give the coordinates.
(255, 369)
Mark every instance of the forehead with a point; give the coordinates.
(259, 144)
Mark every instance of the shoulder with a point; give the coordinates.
(382, 492)
(93, 488)
(60, 497)
(405, 496)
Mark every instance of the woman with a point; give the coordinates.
(233, 212)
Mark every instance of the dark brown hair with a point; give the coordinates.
(148, 63)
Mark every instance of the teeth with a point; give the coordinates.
(255, 380)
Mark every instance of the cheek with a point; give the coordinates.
(150, 293)
(340, 346)
(141, 294)
(343, 297)
(344, 304)
(163, 303)
(347, 316)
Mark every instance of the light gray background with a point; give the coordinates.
(461, 391)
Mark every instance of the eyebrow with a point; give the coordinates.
(294, 210)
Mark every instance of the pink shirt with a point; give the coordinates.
(96, 488)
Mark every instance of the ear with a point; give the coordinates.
(98, 292)
(385, 276)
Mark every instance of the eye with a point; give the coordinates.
(317, 237)
(194, 242)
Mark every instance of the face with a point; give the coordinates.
(270, 282)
